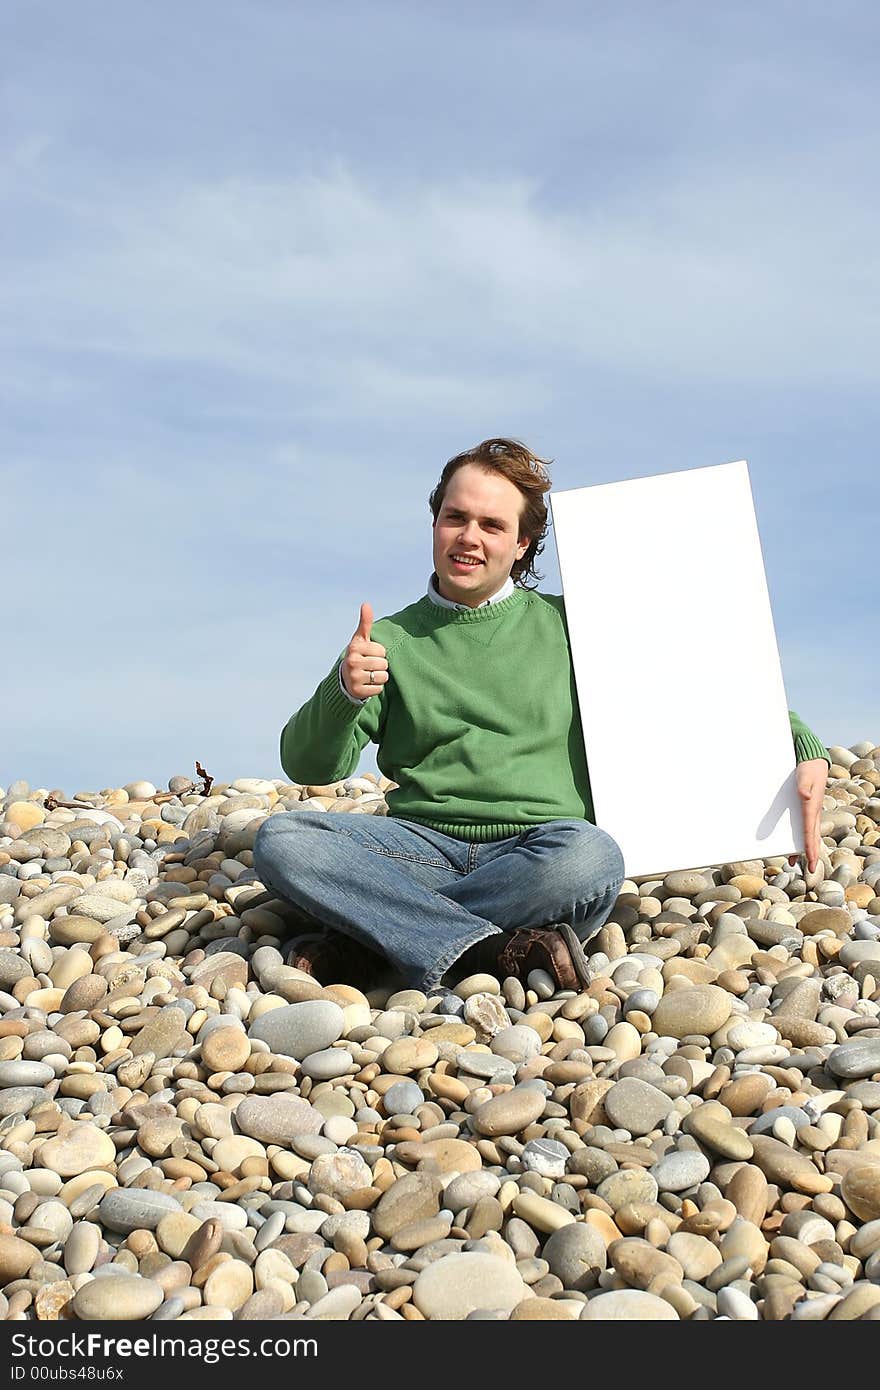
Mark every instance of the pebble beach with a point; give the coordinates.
(190, 1129)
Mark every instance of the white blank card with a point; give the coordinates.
(681, 696)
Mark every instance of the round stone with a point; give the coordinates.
(25, 814)
(628, 1305)
(230, 1285)
(636, 1106)
(857, 1058)
(402, 1098)
(861, 1191)
(117, 1298)
(458, 1284)
(408, 1055)
(25, 1074)
(699, 1010)
(226, 1049)
(81, 1148)
(126, 1209)
(298, 1029)
(277, 1119)
(327, 1064)
(232, 1151)
(508, 1113)
(16, 1258)
(696, 1255)
(574, 1253)
(413, 1197)
(81, 1247)
(628, 1186)
(677, 1171)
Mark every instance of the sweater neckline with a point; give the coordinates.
(487, 613)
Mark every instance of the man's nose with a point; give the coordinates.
(470, 533)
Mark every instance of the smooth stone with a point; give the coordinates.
(734, 1304)
(229, 1285)
(81, 1247)
(469, 1188)
(640, 1263)
(127, 1209)
(17, 1256)
(413, 1197)
(541, 1213)
(700, 1010)
(630, 1185)
(636, 1106)
(509, 1113)
(574, 1252)
(277, 1119)
(117, 1298)
(861, 1191)
(327, 1064)
(628, 1305)
(857, 1058)
(82, 1148)
(518, 1043)
(162, 1034)
(458, 1284)
(545, 1156)
(784, 1165)
(408, 1055)
(230, 1216)
(226, 1049)
(299, 1029)
(402, 1098)
(748, 1034)
(681, 1169)
(696, 1255)
(25, 1074)
(713, 1128)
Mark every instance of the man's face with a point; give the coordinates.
(479, 519)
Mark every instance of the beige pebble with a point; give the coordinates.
(229, 1285)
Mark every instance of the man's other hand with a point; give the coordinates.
(812, 779)
(363, 657)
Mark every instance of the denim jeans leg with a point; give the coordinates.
(561, 871)
(378, 879)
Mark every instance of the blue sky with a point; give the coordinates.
(268, 265)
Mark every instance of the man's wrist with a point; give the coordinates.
(342, 686)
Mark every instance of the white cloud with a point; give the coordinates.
(360, 298)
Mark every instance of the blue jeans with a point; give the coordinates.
(420, 897)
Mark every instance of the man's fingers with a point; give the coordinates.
(362, 684)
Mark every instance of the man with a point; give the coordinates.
(488, 857)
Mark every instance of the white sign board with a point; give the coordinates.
(681, 696)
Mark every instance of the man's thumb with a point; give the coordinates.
(366, 622)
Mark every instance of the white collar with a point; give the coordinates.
(436, 597)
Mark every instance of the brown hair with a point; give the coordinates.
(528, 473)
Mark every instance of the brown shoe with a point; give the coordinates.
(554, 948)
(334, 958)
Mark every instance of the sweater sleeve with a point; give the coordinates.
(322, 742)
(806, 744)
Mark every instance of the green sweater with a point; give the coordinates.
(478, 722)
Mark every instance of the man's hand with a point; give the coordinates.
(812, 778)
(363, 657)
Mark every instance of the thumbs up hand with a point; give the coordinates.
(364, 667)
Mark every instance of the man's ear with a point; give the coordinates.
(522, 547)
